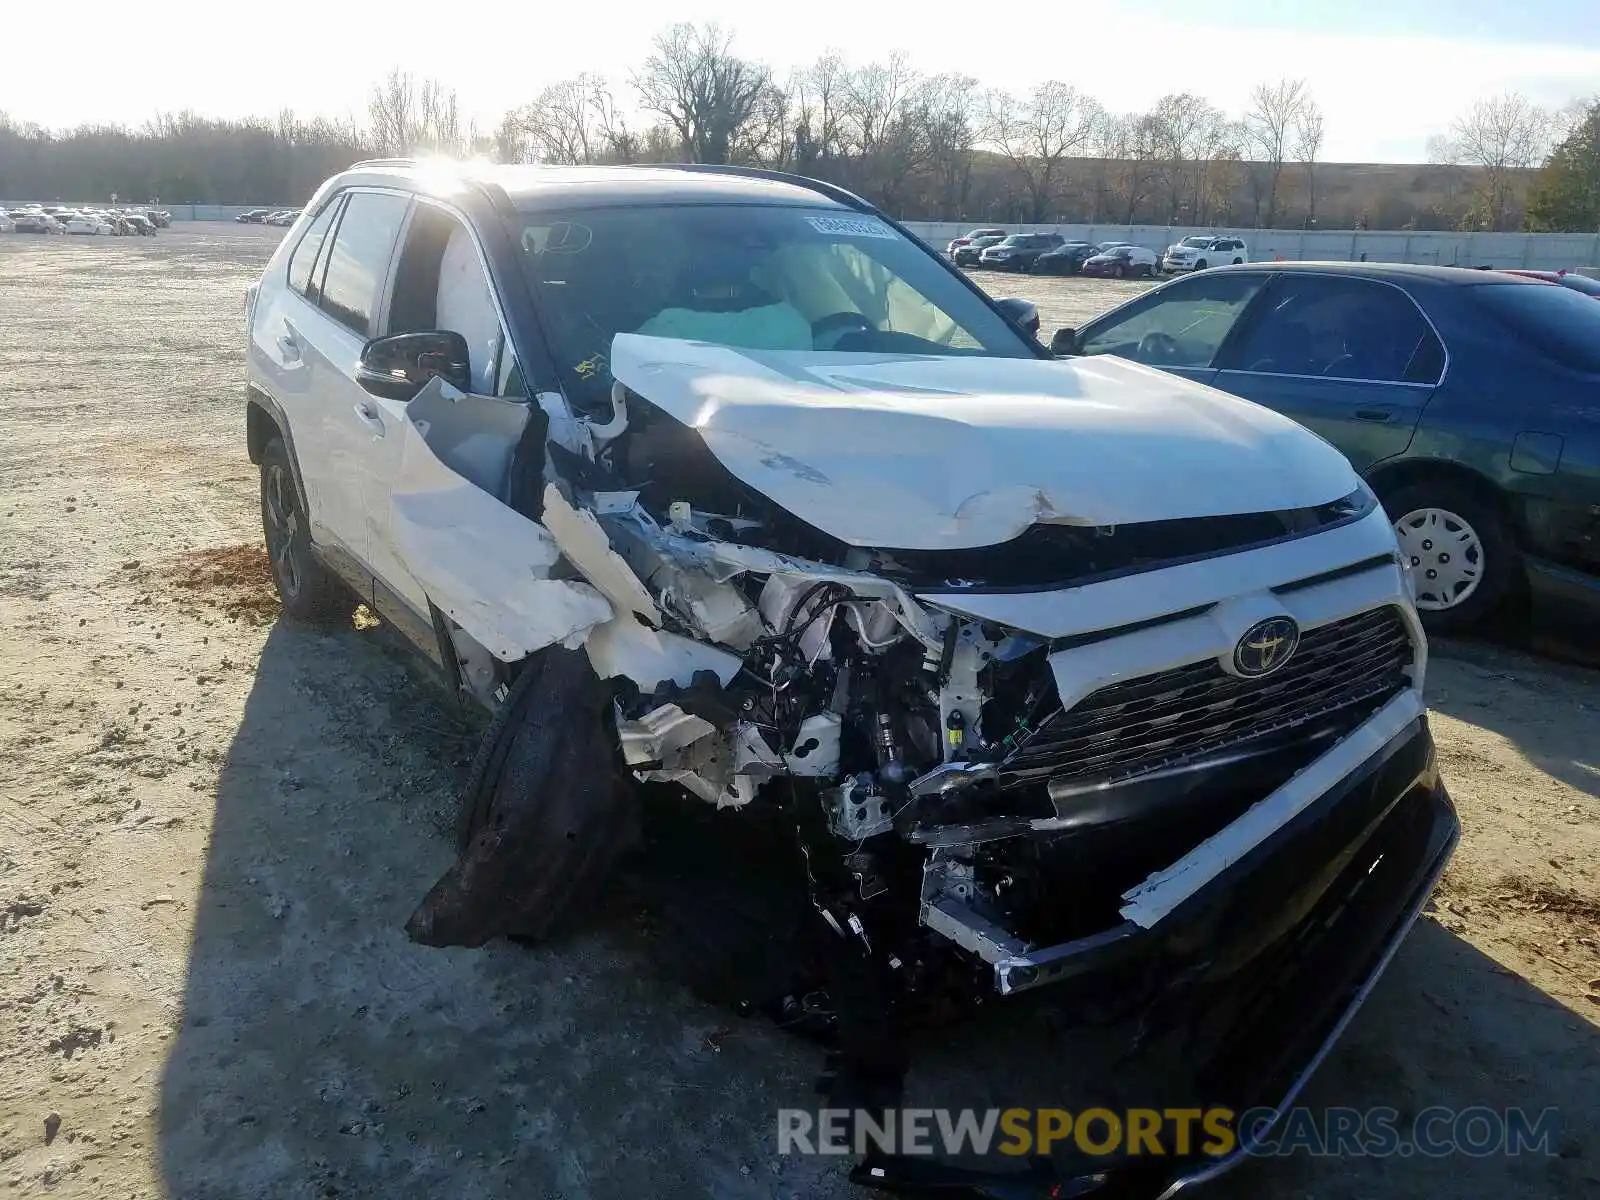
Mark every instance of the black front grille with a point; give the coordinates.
(1346, 667)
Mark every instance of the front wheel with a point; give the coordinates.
(1459, 550)
(1201, 265)
(305, 588)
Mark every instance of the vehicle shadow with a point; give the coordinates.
(322, 1054)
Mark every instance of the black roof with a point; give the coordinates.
(1392, 272)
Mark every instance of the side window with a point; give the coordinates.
(439, 283)
(359, 259)
(303, 261)
(1339, 328)
(1181, 325)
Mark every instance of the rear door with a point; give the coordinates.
(1353, 359)
(1180, 327)
(279, 341)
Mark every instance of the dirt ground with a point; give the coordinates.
(213, 824)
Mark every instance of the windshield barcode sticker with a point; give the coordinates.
(852, 227)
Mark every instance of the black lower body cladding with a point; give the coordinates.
(545, 817)
(1237, 996)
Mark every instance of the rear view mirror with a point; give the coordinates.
(398, 366)
(1022, 314)
(1064, 343)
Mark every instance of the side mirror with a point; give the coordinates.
(1022, 314)
(1064, 343)
(397, 367)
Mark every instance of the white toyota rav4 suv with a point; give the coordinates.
(960, 670)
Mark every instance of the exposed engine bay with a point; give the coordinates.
(934, 773)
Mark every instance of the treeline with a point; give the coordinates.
(932, 147)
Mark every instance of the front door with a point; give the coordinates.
(345, 420)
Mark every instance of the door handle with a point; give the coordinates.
(1374, 414)
(290, 345)
(368, 415)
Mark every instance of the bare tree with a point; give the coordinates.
(1038, 135)
(1308, 133)
(949, 109)
(571, 121)
(1502, 135)
(1184, 128)
(407, 117)
(706, 94)
(392, 113)
(1132, 144)
(1269, 125)
(817, 93)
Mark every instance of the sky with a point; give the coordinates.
(1387, 73)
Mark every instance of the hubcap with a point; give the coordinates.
(1444, 555)
(283, 524)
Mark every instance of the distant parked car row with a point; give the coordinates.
(117, 222)
(268, 216)
(1051, 254)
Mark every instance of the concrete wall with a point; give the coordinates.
(1540, 251)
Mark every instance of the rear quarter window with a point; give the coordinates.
(1561, 323)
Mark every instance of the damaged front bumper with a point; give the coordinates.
(1255, 977)
(1300, 827)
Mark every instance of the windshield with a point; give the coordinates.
(1199, 243)
(1564, 323)
(1581, 283)
(764, 277)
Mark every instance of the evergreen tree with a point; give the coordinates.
(1566, 195)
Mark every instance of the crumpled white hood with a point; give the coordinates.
(923, 453)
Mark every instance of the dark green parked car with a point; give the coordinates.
(1470, 400)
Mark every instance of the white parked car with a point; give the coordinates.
(85, 223)
(7, 225)
(1203, 250)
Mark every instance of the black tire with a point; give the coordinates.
(1500, 561)
(1238, 261)
(305, 588)
(545, 817)
(1201, 265)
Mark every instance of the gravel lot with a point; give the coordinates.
(212, 826)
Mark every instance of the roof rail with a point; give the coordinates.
(383, 162)
(831, 190)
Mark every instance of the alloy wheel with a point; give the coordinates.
(283, 529)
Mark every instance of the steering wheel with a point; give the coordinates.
(1156, 346)
(837, 325)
